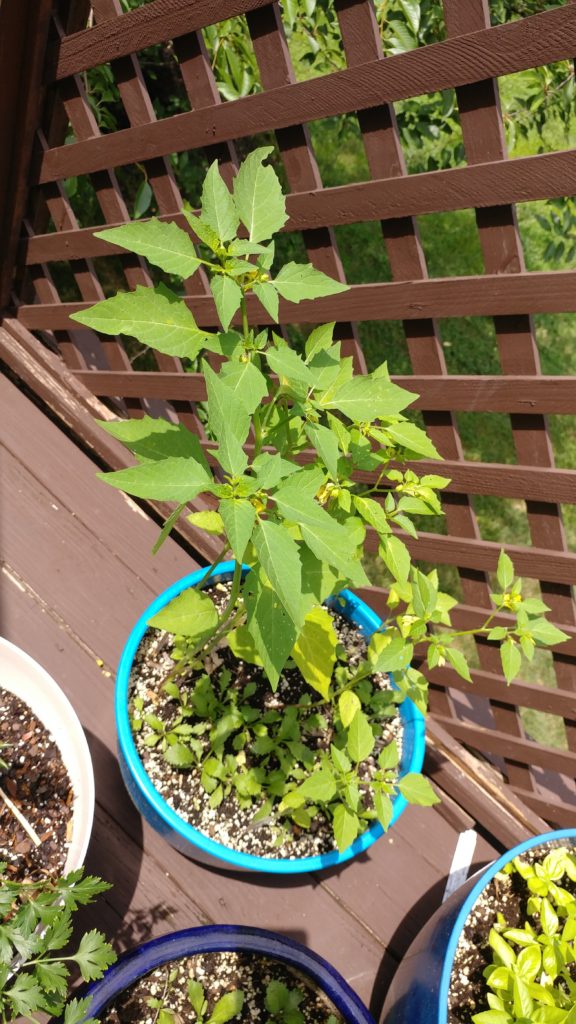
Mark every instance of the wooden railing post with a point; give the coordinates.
(24, 26)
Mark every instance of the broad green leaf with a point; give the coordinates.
(395, 556)
(227, 296)
(412, 437)
(93, 955)
(289, 366)
(372, 512)
(384, 808)
(179, 755)
(366, 398)
(458, 662)
(505, 571)
(196, 996)
(417, 790)
(346, 827)
(218, 209)
(318, 340)
(246, 385)
(319, 580)
(502, 949)
(268, 296)
(298, 281)
(324, 541)
(320, 785)
(522, 1000)
(178, 480)
(548, 918)
(412, 11)
(229, 422)
(243, 645)
(279, 557)
(155, 316)
(546, 633)
(208, 520)
(389, 653)
(238, 516)
(227, 1007)
(348, 705)
(360, 740)
(53, 977)
(341, 432)
(203, 230)
(326, 444)
(389, 756)
(152, 439)
(77, 1011)
(315, 650)
(25, 995)
(511, 659)
(340, 761)
(191, 614)
(271, 628)
(143, 199)
(258, 196)
(242, 247)
(271, 469)
(163, 243)
(529, 962)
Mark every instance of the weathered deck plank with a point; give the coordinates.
(77, 571)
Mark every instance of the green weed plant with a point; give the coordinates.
(290, 435)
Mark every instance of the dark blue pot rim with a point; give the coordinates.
(483, 881)
(359, 613)
(221, 938)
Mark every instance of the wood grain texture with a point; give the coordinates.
(435, 392)
(159, 21)
(522, 44)
(489, 295)
(523, 751)
(546, 176)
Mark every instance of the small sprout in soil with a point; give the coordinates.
(35, 926)
(225, 1009)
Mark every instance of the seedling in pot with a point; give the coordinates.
(298, 521)
(531, 977)
(225, 1009)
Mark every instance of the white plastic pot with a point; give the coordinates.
(26, 679)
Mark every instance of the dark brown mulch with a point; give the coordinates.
(37, 782)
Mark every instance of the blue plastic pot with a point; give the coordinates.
(189, 840)
(419, 990)
(222, 938)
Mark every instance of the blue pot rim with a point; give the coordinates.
(483, 881)
(219, 938)
(360, 613)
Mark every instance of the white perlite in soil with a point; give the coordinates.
(230, 824)
(219, 973)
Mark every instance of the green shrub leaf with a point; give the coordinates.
(315, 650)
(218, 209)
(258, 196)
(298, 281)
(191, 614)
(163, 243)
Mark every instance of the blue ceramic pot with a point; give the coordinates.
(222, 938)
(189, 840)
(419, 990)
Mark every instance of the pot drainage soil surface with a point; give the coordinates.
(505, 894)
(219, 973)
(231, 824)
(37, 783)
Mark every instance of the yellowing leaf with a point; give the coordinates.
(211, 522)
(315, 650)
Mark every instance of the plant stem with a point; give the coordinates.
(210, 568)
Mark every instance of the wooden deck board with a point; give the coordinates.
(77, 571)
